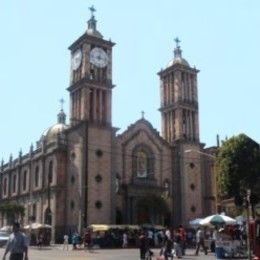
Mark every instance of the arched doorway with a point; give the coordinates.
(48, 216)
(119, 217)
(151, 209)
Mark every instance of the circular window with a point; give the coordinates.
(98, 178)
(192, 165)
(98, 204)
(193, 208)
(99, 153)
(72, 156)
(72, 179)
(192, 186)
(72, 204)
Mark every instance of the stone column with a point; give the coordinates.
(94, 104)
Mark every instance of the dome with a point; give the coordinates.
(92, 26)
(94, 33)
(178, 60)
(50, 134)
(178, 56)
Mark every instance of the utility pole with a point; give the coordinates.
(247, 204)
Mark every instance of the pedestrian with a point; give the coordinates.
(168, 233)
(66, 242)
(40, 240)
(177, 243)
(74, 240)
(183, 235)
(17, 244)
(125, 240)
(150, 237)
(143, 245)
(167, 249)
(200, 242)
(87, 240)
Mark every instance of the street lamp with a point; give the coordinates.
(212, 157)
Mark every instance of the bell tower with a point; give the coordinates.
(91, 77)
(179, 99)
(180, 128)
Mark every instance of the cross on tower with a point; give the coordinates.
(142, 112)
(92, 10)
(177, 42)
(62, 101)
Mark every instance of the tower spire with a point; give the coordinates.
(92, 10)
(61, 115)
(92, 24)
(177, 50)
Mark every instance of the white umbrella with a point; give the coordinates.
(195, 221)
(36, 226)
(217, 220)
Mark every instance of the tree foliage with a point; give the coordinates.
(238, 166)
(12, 211)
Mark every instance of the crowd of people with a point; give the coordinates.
(172, 242)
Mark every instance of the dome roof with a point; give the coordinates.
(94, 33)
(178, 60)
(51, 133)
(178, 56)
(92, 25)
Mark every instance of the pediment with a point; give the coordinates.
(142, 130)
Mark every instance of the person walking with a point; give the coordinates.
(177, 243)
(88, 240)
(66, 242)
(200, 242)
(17, 244)
(183, 235)
(143, 245)
(125, 240)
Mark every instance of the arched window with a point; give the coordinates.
(14, 183)
(143, 162)
(5, 186)
(36, 177)
(48, 216)
(24, 180)
(34, 211)
(50, 173)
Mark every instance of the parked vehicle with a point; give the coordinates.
(4, 236)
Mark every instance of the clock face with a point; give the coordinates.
(98, 57)
(76, 59)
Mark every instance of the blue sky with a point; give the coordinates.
(220, 38)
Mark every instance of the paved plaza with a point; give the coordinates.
(57, 253)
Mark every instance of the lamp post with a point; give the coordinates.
(213, 157)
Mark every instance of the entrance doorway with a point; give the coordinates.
(150, 209)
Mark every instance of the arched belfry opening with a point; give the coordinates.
(48, 216)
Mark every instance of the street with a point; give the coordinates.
(56, 253)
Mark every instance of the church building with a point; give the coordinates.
(83, 172)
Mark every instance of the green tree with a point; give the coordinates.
(238, 166)
(12, 211)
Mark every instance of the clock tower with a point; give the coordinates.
(91, 77)
(91, 134)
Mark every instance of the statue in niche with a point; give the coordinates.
(167, 189)
(117, 182)
(142, 164)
